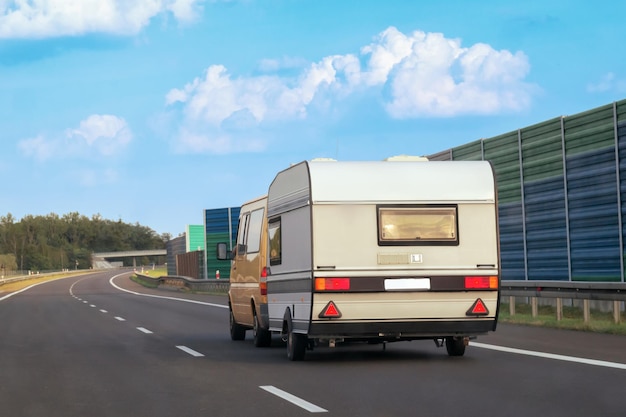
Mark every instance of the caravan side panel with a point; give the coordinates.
(289, 284)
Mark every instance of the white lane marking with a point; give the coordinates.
(144, 330)
(92, 306)
(85, 302)
(585, 361)
(293, 399)
(190, 351)
(103, 311)
(120, 318)
(162, 297)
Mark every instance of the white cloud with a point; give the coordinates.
(105, 134)
(54, 18)
(609, 82)
(421, 75)
(98, 135)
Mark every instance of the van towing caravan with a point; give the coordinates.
(382, 251)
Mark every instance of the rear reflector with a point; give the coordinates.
(478, 309)
(330, 311)
(481, 283)
(332, 284)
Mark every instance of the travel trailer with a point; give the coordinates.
(383, 251)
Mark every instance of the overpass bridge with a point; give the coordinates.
(100, 259)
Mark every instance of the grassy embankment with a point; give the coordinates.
(573, 319)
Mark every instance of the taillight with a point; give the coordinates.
(481, 283)
(263, 281)
(332, 284)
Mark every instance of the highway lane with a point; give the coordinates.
(82, 346)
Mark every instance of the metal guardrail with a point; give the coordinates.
(17, 278)
(190, 284)
(558, 290)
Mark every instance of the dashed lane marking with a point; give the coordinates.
(312, 408)
(190, 351)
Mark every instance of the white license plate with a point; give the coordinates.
(407, 284)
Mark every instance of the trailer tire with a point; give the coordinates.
(237, 331)
(455, 346)
(296, 344)
(262, 337)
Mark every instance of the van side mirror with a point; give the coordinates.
(222, 252)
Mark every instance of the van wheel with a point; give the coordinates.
(262, 337)
(455, 346)
(237, 331)
(296, 344)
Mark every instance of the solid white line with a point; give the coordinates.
(585, 361)
(120, 318)
(293, 399)
(144, 330)
(162, 297)
(190, 351)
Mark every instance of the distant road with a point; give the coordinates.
(97, 346)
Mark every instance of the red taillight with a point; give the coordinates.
(481, 283)
(332, 284)
(263, 281)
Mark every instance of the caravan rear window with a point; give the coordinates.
(418, 225)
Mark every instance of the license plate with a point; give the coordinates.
(399, 284)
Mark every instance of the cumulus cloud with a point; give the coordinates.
(34, 19)
(98, 135)
(418, 75)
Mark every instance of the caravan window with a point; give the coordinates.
(418, 225)
(274, 235)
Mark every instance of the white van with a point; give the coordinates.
(247, 296)
(382, 251)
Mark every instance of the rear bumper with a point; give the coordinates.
(394, 330)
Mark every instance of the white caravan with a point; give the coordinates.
(382, 251)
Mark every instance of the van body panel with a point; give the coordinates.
(249, 259)
(329, 220)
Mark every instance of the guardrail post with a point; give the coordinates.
(586, 312)
(512, 305)
(559, 309)
(617, 313)
(535, 309)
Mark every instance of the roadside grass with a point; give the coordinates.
(573, 319)
(36, 279)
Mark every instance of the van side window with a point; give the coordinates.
(418, 225)
(241, 234)
(274, 235)
(253, 241)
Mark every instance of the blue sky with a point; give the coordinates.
(150, 111)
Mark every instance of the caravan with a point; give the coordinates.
(383, 251)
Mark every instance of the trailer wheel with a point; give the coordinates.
(296, 344)
(262, 337)
(237, 331)
(455, 346)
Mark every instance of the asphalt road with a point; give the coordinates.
(86, 346)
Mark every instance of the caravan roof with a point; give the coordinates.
(401, 181)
